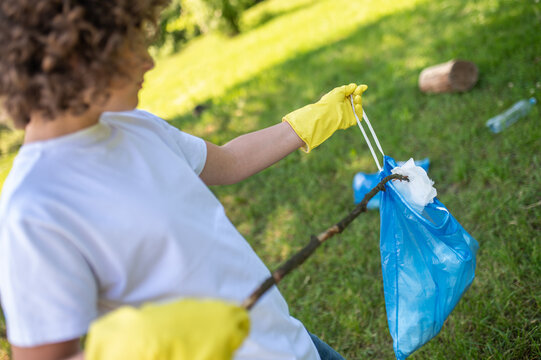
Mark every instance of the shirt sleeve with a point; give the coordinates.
(192, 148)
(48, 291)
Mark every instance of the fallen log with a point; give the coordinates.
(452, 76)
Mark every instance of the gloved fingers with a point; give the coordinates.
(357, 99)
(360, 89)
(350, 89)
(359, 111)
(358, 103)
(239, 326)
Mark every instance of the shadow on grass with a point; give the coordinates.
(477, 173)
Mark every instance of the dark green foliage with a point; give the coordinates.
(183, 20)
(175, 28)
(222, 15)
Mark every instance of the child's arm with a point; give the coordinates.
(307, 127)
(66, 350)
(248, 154)
(79, 356)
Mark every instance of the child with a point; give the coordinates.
(108, 206)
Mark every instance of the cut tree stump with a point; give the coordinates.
(452, 76)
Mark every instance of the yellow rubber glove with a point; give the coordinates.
(315, 123)
(182, 330)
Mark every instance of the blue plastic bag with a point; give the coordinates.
(363, 183)
(428, 262)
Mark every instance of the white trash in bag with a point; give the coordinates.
(418, 191)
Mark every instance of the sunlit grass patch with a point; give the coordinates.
(5, 167)
(213, 64)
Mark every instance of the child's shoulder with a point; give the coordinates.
(134, 117)
(17, 191)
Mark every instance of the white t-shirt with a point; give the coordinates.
(116, 214)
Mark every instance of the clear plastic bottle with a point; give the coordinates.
(511, 115)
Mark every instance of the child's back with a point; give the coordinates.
(116, 214)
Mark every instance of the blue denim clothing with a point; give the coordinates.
(325, 351)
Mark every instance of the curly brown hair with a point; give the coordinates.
(59, 55)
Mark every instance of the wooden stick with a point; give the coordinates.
(303, 254)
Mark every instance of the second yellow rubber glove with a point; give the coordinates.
(315, 123)
(182, 330)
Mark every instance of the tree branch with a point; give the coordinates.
(303, 254)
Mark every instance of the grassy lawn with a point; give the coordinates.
(293, 52)
(4, 347)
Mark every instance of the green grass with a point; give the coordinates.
(4, 346)
(296, 50)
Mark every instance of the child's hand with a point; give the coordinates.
(185, 329)
(315, 123)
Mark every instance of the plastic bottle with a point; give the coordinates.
(511, 115)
